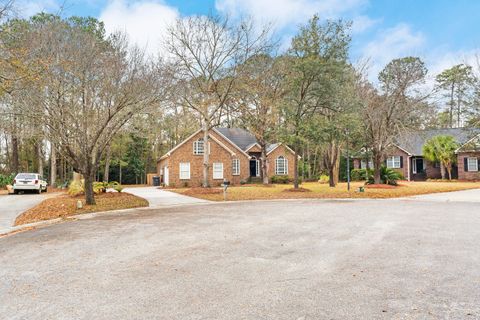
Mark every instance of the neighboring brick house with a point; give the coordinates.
(234, 155)
(406, 155)
(468, 156)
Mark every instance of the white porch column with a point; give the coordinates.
(409, 158)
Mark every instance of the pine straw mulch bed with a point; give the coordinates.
(381, 186)
(323, 191)
(300, 189)
(202, 191)
(65, 205)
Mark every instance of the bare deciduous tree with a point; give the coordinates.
(386, 112)
(206, 52)
(260, 93)
(90, 90)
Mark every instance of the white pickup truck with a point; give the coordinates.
(29, 182)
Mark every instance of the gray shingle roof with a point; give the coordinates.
(241, 137)
(413, 142)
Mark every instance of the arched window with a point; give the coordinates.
(281, 166)
(198, 147)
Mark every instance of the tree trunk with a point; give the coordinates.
(40, 157)
(206, 156)
(449, 170)
(332, 162)
(263, 159)
(89, 195)
(295, 169)
(53, 165)
(15, 153)
(377, 167)
(107, 164)
(451, 105)
(120, 171)
(442, 170)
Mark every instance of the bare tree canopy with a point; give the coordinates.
(206, 52)
(91, 87)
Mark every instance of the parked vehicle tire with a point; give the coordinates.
(15, 191)
(39, 191)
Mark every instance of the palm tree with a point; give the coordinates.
(441, 149)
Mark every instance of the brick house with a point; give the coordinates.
(234, 155)
(406, 155)
(468, 158)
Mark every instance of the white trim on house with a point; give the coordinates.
(169, 153)
(235, 167)
(394, 164)
(475, 137)
(285, 166)
(184, 171)
(166, 155)
(222, 145)
(408, 153)
(363, 164)
(197, 150)
(280, 144)
(217, 170)
(472, 164)
(231, 142)
(253, 145)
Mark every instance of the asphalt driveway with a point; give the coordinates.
(13, 205)
(259, 260)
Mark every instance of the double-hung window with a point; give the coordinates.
(235, 167)
(198, 147)
(217, 170)
(472, 164)
(184, 170)
(393, 162)
(281, 166)
(363, 164)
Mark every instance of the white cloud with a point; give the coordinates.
(26, 8)
(396, 42)
(363, 23)
(145, 22)
(284, 13)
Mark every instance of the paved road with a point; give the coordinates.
(262, 260)
(159, 198)
(13, 205)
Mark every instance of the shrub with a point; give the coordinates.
(243, 181)
(360, 174)
(116, 186)
(6, 180)
(324, 179)
(280, 179)
(76, 188)
(284, 179)
(100, 187)
(387, 176)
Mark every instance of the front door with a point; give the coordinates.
(419, 165)
(253, 168)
